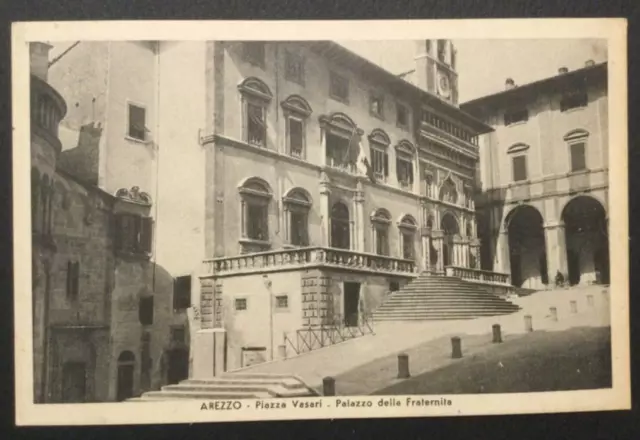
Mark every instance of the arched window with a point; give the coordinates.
(256, 97)
(297, 204)
(518, 153)
(256, 197)
(380, 221)
(379, 142)
(404, 164)
(340, 226)
(407, 227)
(448, 191)
(577, 142)
(341, 136)
(296, 112)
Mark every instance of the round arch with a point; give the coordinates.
(256, 87)
(298, 194)
(449, 223)
(448, 191)
(297, 104)
(586, 240)
(255, 184)
(527, 247)
(126, 368)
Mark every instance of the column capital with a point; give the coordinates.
(554, 225)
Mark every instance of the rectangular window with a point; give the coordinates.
(404, 170)
(575, 99)
(137, 122)
(338, 87)
(578, 158)
(337, 150)
(299, 236)
(407, 246)
(519, 168)
(134, 234)
(256, 126)
(402, 116)
(145, 310)
(382, 242)
(178, 335)
(516, 116)
(296, 137)
(257, 217)
(240, 304)
(182, 292)
(282, 301)
(376, 105)
(254, 53)
(294, 67)
(380, 164)
(73, 280)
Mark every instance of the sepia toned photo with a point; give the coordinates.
(214, 227)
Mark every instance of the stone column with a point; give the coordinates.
(325, 210)
(501, 257)
(437, 244)
(426, 252)
(465, 255)
(556, 250)
(360, 223)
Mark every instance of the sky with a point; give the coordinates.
(483, 65)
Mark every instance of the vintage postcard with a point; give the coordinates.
(228, 221)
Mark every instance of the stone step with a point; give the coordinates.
(430, 299)
(231, 379)
(271, 390)
(441, 308)
(436, 316)
(205, 395)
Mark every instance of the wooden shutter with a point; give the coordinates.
(146, 234)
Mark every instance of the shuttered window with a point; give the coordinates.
(134, 234)
(519, 168)
(578, 158)
(182, 293)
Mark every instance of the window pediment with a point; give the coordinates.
(405, 148)
(379, 137)
(407, 222)
(575, 135)
(517, 148)
(297, 104)
(297, 197)
(256, 88)
(381, 215)
(341, 123)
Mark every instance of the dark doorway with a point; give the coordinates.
(74, 385)
(126, 367)
(527, 247)
(449, 225)
(446, 255)
(351, 302)
(587, 240)
(178, 365)
(573, 267)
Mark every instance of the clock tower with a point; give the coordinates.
(436, 69)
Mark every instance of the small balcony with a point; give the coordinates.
(308, 257)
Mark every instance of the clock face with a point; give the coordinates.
(444, 86)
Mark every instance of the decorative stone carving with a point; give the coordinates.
(134, 195)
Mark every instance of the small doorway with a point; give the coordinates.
(351, 303)
(74, 382)
(126, 366)
(178, 365)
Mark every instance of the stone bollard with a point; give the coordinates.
(497, 333)
(282, 351)
(528, 324)
(574, 307)
(403, 366)
(554, 314)
(456, 348)
(590, 301)
(329, 386)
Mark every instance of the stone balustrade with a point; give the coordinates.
(287, 259)
(485, 276)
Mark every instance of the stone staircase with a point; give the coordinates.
(431, 297)
(232, 386)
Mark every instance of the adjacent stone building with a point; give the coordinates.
(105, 326)
(544, 171)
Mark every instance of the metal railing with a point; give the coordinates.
(327, 334)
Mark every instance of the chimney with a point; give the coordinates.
(589, 63)
(562, 70)
(39, 59)
(509, 84)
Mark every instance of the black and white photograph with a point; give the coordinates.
(225, 227)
